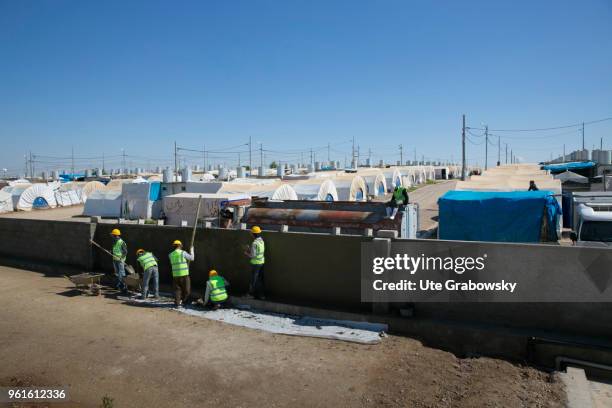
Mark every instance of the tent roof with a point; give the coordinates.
(571, 176)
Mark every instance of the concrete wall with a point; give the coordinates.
(310, 269)
(57, 242)
(552, 268)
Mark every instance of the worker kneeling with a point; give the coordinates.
(398, 201)
(148, 263)
(216, 290)
(179, 260)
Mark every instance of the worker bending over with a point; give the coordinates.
(148, 263)
(399, 198)
(257, 260)
(179, 260)
(119, 252)
(216, 290)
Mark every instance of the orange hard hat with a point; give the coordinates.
(140, 251)
(212, 273)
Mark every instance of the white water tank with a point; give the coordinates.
(605, 157)
(240, 172)
(167, 175)
(310, 168)
(279, 171)
(222, 173)
(317, 166)
(87, 172)
(55, 175)
(186, 174)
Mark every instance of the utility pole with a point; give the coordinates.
(401, 148)
(511, 157)
(601, 143)
(462, 150)
(328, 157)
(498, 150)
(353, 154)
(486, 147)
(124, 163)
(369, 156)
(415, 159)
(204, 157)
(175, 161)
(564, 152)
(102, 164)
(582, 135)
(250, 155)
(261, 157)
(72, 163)
(506, 152)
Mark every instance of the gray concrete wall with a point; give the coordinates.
(57, 242)
(312, 269)
(552, 268)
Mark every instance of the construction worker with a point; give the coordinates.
(257, 260)
(148, 263)
(532, 186)
(179, 261)
(119, 252)
(399, 198)
(216, 290)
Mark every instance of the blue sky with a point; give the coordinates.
(104, 76)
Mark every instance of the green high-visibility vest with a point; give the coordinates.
(147, 260)
(260, 247)
(218, 292)
(398, 195)
(117, 254)
(179, 264)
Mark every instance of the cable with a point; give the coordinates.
(549, 128)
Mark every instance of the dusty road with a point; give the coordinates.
(427, 198)
(143, 357)
(72, 213)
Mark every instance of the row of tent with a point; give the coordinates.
(142, 200)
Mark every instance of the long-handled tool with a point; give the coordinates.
(128, 267)
(195, 224)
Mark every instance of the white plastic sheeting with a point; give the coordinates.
(316, 190)
(115, 185)
(103, 203)
(273, 191)
(351, 187)
(90, 187)
(69, 194)
(375, 181)
(37, 196)
(393, 177)
(6, 202)
(136, 202)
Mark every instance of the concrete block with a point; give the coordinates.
(141, 221)
(243, 226)
(336, 231)
(184, 223)
(160, 222)
(95, 219)
(386, 233)
(577, 388)
(368, 232)
(208, 224)
(284, 228)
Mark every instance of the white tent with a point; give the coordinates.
(69, 194)
(37, 196)
(572, 177)
(90, 187)
(103, 203)
(393, 177)
(351, 187)
(6, 203)
(136, 202)
(273, 191)
(376, 182)
(316, 190)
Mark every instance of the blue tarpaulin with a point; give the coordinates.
(561, 167)
(513, 216)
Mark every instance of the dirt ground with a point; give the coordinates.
(144, 357)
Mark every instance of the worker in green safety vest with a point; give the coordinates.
(179, 261)
(257, 261)
(216, 290)
(148, 263)
(398, 200)
(119, 251)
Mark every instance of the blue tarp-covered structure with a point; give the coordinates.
(513, 216)
(561, 167)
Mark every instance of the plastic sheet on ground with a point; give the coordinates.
(356, 332)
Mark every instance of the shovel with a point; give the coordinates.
(128, 268)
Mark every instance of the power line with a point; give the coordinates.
(548, 128)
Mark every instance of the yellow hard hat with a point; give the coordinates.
(116, 232)
(140, 251)
(212, 273)
(177, 242)
(256, 230)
